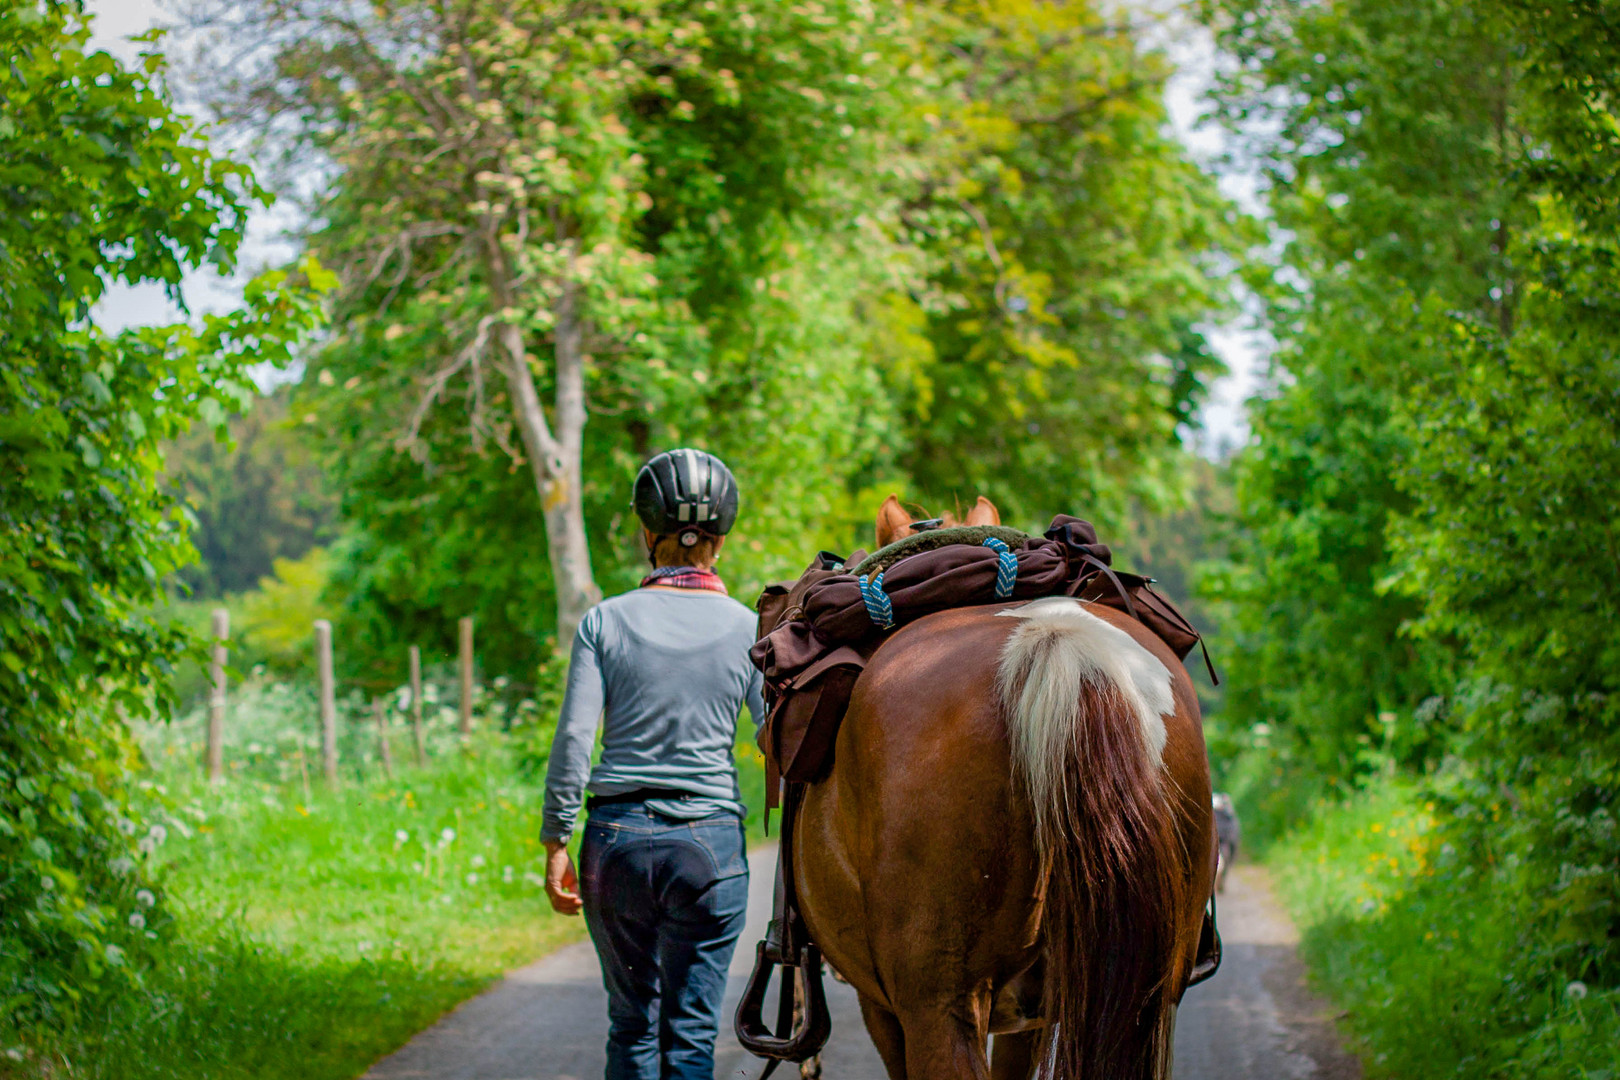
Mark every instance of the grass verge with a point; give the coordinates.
(1426, 955)
(301, 933)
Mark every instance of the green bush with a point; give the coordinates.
(102, 182)
(1427, 952)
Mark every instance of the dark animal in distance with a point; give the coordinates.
(1228, 833)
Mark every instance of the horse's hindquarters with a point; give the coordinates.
(917, 857)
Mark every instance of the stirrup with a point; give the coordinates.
(1208, 958)
(788, 1043)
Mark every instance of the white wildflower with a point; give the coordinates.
(15, 1054)
(400, 838)
(534, 879)
(477, 861)
(47, 883)
(145, 898)
(123, 866)
(447, 837)
(115, 956)
(146, 845)
(1575, 991)
(472, 879)
(158, 834)
(506, 874)
(137, 920)
(126, 826)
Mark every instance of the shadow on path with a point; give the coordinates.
(548, 1021)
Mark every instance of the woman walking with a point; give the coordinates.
(665, 875)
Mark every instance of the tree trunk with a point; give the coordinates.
(556, 461)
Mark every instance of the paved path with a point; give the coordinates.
(548, 1021)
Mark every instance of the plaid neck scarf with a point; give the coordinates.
(686, 577)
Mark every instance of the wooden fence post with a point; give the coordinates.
(323, 668)
(216, 697)
(380, 713)
(416, 705)
(466, 675)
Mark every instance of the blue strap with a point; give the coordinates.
(1006, 568)
(878, 607)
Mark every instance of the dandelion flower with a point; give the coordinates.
(126, 826)
(145, 898)
(447, 836)
(400, 837)
(115, 956)
(1575, 991)
(477, 861)
(123, 866)
(47, 883)
(158, 834)
(506, 873)
(472, 879)
(137, 920)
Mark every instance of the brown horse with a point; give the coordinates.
(1015, 840)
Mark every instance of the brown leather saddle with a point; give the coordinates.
(816, 636)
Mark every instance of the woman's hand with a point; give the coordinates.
(562, 883)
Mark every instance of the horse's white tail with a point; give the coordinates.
(1085, 707)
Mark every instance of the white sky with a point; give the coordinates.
(1238, 343)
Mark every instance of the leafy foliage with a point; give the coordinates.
(1068, 248)
(830, 241)
(1425, 574)
(102, 182)
(255, 497)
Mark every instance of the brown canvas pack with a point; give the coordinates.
(816, 634)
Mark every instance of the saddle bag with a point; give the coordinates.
(802, 728)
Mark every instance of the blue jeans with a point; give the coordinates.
(664, 901)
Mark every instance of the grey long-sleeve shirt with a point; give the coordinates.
(667, 672)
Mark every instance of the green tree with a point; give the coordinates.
(507, 178)
(102, 181)
(740, 147)
(1433, 495)
(1069, 249)
(255, 497)
(1385, 133)
(1510, 541)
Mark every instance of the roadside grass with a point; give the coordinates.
(301, 933)
(1425, 956)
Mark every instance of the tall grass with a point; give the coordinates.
(1424, 953)
(299, 933)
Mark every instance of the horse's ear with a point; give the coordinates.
(892, 522)
(984, 512)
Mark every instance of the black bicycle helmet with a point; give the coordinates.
(684, 493)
